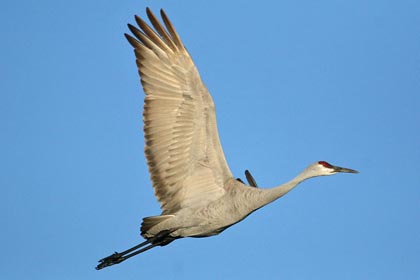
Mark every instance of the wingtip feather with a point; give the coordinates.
(133, 42)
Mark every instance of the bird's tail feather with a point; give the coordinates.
(150, 222)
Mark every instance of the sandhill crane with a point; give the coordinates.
(199, 196)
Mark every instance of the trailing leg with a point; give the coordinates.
(161, 239)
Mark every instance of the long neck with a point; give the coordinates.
(267, 196)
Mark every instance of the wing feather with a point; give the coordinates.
(183, 150)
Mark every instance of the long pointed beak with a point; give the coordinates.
(345, 170)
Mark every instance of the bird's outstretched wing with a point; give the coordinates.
(183, 151)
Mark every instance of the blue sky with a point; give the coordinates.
(293, 81)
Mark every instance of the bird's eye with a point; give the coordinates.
(325, 164)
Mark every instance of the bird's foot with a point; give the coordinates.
(110, 260)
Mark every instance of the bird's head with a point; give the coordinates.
(323, 168)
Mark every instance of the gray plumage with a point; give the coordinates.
(197, 192)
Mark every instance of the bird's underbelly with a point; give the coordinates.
(204, 227)
(201, 222)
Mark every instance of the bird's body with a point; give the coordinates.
(198, 194)
(205, 220)
(209, 219)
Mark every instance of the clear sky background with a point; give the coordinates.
(294, 82)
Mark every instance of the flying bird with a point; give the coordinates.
(198, 194)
